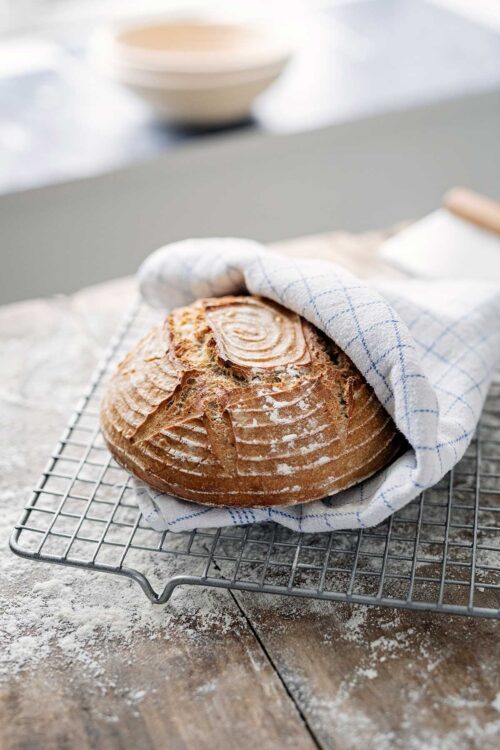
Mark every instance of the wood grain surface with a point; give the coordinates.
(239, 671)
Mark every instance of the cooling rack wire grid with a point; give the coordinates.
(439, 553)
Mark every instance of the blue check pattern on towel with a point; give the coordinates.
(429, 350)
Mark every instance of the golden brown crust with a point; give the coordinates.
(238, 401)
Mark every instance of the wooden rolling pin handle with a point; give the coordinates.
(473, 207)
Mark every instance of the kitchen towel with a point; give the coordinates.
(428, 349)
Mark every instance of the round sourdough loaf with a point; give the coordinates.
(238, 401)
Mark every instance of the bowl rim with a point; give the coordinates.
(278, 48)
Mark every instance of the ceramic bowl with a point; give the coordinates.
(196, 73)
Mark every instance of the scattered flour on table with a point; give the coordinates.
(380, 647)
(370, 673)
(68, 612)
(55, 613)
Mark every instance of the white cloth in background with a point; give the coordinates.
(429, 350)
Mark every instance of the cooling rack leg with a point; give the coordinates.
(167, 592)
(189, 581)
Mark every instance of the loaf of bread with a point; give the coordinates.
(237, 401)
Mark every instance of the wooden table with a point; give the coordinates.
(243, 671)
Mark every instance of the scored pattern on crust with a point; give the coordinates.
(142, 382)
(251, 334)
(190, 412)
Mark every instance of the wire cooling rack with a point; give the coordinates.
(439, 553)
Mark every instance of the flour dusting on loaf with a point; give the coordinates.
(238, 401)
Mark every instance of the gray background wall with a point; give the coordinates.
(353, 176)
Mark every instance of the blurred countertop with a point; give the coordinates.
(60, 120)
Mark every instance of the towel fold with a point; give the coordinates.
(428, 349)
